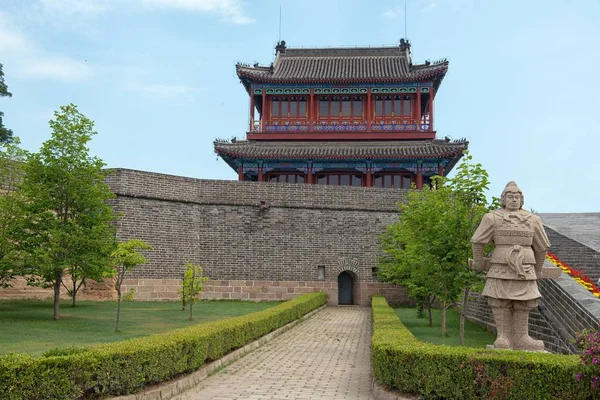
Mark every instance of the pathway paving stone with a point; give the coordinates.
(325, 357)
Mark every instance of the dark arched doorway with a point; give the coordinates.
(345, 289)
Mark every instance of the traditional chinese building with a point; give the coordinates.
(342, 116)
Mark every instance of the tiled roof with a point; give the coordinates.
(342, 65)
(288, 150)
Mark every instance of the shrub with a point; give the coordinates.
(123, 367)
(405, 364)
(588, 343)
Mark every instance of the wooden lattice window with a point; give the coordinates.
(393, 106)
(344, 107)
(288, 107)
(336, 179)
(398, 181)
(286, 177)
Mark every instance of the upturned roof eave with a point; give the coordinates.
(453, 153)
(249, 79)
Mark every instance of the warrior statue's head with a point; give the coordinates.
(512, 197)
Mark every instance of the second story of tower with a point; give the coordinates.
(360, 93)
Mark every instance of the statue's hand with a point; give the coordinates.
(477, 265)
(480, 265)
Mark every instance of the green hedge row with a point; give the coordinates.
(404, 364)
(123, 367)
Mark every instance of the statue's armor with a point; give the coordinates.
(518, 236)
(513, 236)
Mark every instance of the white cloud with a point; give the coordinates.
(430, 6)
(229, 10)
(56, 67)
(74, 7)
(161, 91)
(393, 12)
(30, 61)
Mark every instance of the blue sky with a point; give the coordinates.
(158, 78)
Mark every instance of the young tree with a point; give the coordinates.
(5, 133)
(125, 258)
(12, 158)
(469, 184)
(68, 221)
(80, 274)
(191, 285)
(427, 250)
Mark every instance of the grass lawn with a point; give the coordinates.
(27, 325)
(475, 335)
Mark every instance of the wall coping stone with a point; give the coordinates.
(150, 185)
(586, 300)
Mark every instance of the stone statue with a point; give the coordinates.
(513, 268)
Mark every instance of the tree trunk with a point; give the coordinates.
(462, 317)
(57, 282)
(183, 294)
(74, 292)
(192, 281)
(118, 309)
(429, 302)
(119, 281)
(444, 319)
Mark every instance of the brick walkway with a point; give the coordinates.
(325, 357)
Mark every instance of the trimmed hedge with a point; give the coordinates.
(403, 363)
(122, 367)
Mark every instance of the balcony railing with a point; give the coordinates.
(388, 125)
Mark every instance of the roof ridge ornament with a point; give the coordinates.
(405, 48)
(404, 44)
(280, 48)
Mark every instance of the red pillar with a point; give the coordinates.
(311, 110)
(241, 173)
(369, 180)
(431, 110)
(418, 114)
(260, 172)
(369, 111)
(251, 112)
(419, 176)
(309, 177)
(263, 114)
(440, 170)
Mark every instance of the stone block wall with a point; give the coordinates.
(91, 291)
(576, 254)
(258, 241)
(539, 327)
(259, 290)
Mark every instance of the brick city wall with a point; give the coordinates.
(254, 240)
(575, 254)
(565, 309)
(539, 327)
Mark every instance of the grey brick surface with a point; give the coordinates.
(581, 227)
(325, 357)
(222, 226)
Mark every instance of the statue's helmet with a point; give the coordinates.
(511, 187)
